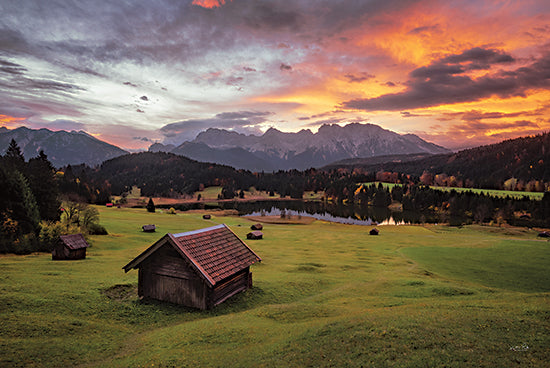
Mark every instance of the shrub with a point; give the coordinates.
(97, 229)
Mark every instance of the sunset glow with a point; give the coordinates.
(459, 74)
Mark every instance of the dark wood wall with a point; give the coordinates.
(61, 252)
(231, 286)
(166, 276)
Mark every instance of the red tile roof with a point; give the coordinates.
(74, 241)
(216, 252)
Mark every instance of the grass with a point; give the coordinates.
(489, 192)
(324, 295)
(496, 193)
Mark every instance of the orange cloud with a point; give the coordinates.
(10, 121)
(209, 4)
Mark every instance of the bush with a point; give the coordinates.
(50, 232)
(97, 229)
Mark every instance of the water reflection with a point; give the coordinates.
(334, 212)
(328, 211)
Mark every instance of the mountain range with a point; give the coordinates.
(276, 150)
(61, 147)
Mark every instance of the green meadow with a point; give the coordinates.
(324, 295)
(489, 192)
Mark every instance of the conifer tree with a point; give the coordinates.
(41, 175)
(150, 205)
(14, 157)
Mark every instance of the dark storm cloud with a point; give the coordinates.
(476, 115)
(7, 67)
(62, 124)
(271, 15)
(358, 77)
(285, 67)
(446, 81)
(479, 126)
(479, 55)
(143, 139)
(424, 29)
(187, 130)
(14, 82)
(407, 114)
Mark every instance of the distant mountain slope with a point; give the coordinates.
(236, 157)
(166, 174)
(526, 158)
(275, 150)
(61, 147)
(374, 161)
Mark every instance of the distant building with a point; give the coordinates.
(70, 247)
(374, 231)
(149, 228)
(257, 227)
(198, 269)
(255, 235)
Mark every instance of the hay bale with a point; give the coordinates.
(149, 228)
(254, 235)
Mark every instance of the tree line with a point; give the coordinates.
(33, 211)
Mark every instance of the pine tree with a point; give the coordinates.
(150, 205)
(14, 157)
(17, 201)
(41, 175)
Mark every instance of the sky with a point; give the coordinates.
(456, 73)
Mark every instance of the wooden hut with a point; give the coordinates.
(374, 231)
(544, 234)
(198, 269)
(254, 235)
(206, 217)
(149, 228)
(70, 247)
(257, 227)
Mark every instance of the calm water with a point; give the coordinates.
(334, 212)
(347, 214)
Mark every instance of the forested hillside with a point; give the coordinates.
(165, 174)
(517, 164)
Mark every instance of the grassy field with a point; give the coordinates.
(325, 295)
(490, 192)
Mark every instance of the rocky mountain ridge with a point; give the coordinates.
(276, 150)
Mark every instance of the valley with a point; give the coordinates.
(325, 294)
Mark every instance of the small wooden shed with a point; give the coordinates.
(255, 235)
(70, 247)
(374, 231)
(206, 217)
(257, 227)
(149, 228)
(198, 269)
